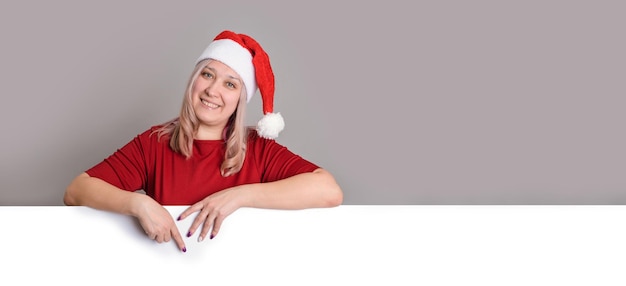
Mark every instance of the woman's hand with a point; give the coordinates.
(213, 210)
(155, 220)
(316, 189)
(158, 223)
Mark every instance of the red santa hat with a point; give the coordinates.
(246, 57)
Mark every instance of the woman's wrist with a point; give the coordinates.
(247, 195)
(136, 203)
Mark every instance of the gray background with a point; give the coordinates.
(405, 102)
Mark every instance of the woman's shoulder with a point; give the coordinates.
(252, 134)
(254, 137)
(261, 144)
(155, 133)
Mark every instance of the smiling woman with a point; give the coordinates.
(206, 157)
(215, 97)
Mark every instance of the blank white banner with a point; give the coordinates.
(347, 245)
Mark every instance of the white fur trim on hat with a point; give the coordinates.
(270, 125)
(237, 58)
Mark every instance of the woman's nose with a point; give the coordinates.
(211, 90)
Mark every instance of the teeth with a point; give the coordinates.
(209, 104)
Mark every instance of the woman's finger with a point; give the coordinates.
(197, 221)
(216, 226)
(178, 239)
(191, 209)
(208, 224)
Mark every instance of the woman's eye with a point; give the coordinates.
(207, 75)
(230, 85)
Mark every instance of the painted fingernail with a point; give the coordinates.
(212, 236)
(184, 249)
(178, 218)
(189, 234)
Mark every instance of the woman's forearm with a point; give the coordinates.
(317, 189)
(307, 190)
(96, 193)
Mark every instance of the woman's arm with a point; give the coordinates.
(317, 189)
(93, 192)
(96, 193)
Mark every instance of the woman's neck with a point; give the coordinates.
(209, 133)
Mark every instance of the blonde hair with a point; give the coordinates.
(182, 129)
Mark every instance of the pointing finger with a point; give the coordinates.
(178, 239)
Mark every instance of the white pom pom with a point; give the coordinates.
(270, 125)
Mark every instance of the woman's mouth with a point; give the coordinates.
(209, 104)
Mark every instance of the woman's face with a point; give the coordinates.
(216, 94)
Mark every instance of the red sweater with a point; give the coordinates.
(148, 163)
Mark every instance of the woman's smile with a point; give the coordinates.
(209, 104)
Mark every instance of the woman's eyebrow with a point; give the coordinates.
(213, 70)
